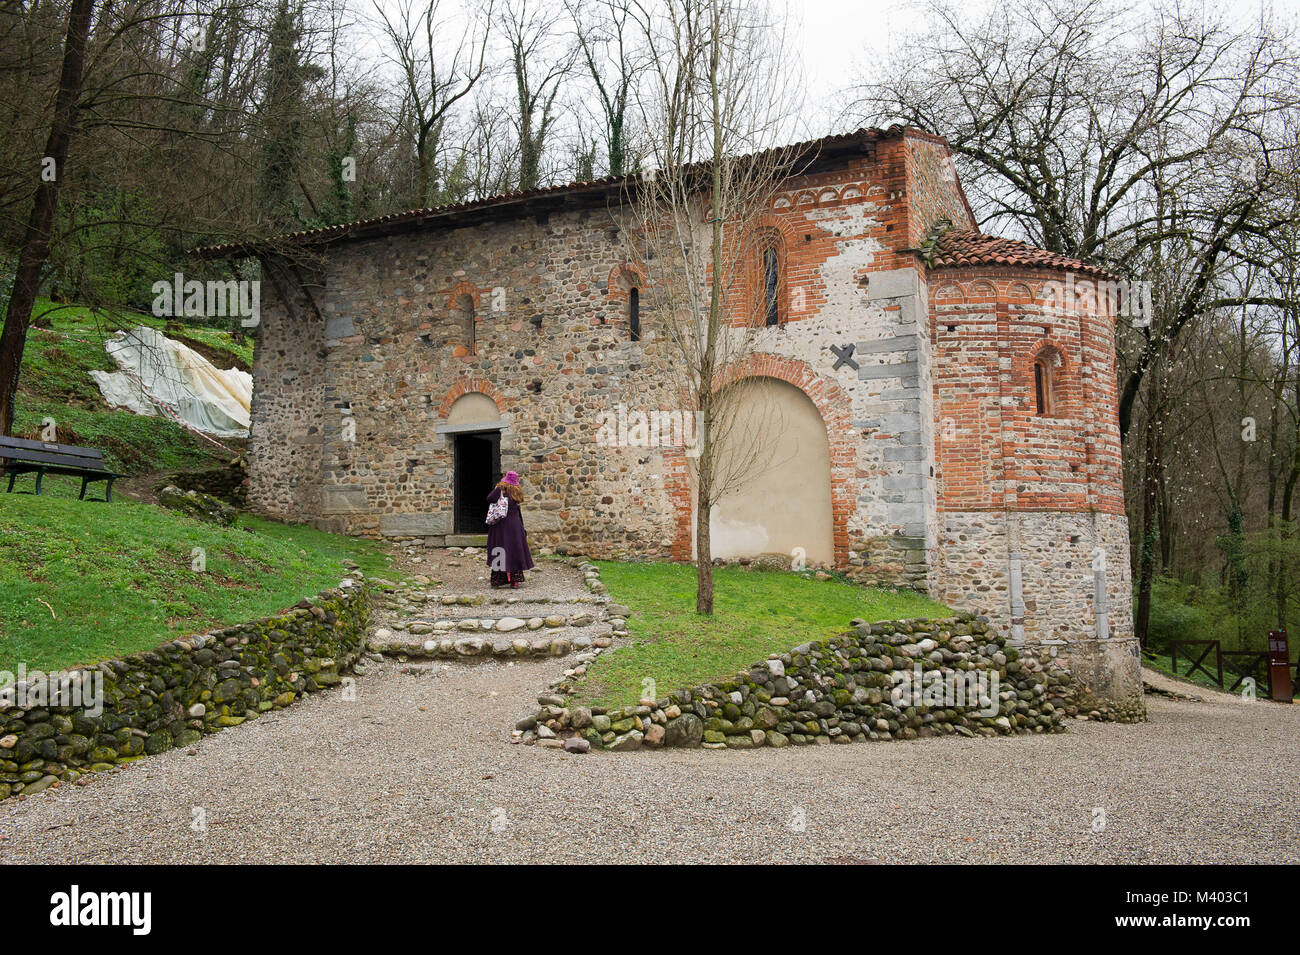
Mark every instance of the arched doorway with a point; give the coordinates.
(776, 454)
(474, 430)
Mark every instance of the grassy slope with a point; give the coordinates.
(755, 614)
(55, 383)
(118, 576)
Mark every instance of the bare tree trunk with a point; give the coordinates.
(1284, 585)
(1146, 550)
(714, 97)
(703, 540)
(1152, 464)
(703, 551)
(36, 238)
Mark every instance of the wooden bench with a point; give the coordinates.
(20, 456)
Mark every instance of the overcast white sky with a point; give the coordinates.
(839, 39)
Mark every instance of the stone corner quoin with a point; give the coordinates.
(968, 447)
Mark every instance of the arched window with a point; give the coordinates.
(1044, 391)
(463, 318)
(771, 285)
(623, 294)
(767, 278)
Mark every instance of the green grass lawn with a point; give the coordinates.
(117, 577)
(755, 613)
(55, 383)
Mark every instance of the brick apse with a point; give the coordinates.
(967, 446)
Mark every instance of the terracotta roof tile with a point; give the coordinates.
(958, 248)
(519, 200)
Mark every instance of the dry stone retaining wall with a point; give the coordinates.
(182, 690)
(839, 690)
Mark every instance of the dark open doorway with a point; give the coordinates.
(477, 464)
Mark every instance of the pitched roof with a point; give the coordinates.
(514, 204)
(958, 248)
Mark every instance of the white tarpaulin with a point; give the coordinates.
(157, 370)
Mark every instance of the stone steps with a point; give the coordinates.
(453, 600)
(437, 625)
(523, 611)
(501, 646)
(494, 600)
(425, 625)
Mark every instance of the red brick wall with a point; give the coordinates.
(935, 191)
(987, 327)
(888, 198)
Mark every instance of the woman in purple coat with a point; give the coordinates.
(507, 547)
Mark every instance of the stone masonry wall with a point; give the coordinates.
(176, 693)
(287, 410)
(552, 351)
(935, 192)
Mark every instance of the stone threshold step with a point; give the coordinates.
(503, 624)
(502, 647)
(511, 599)
(536, 608)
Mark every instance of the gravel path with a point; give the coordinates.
(419, 768)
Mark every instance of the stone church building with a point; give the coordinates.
(949, 398)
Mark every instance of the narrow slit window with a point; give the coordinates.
(634, 313)
(1042, 388)
(771, 286)
(464, 314)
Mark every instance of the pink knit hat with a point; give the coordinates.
(511, 478)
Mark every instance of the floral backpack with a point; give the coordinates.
(498, 509)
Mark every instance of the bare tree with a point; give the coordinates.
(539, 62)
(1072, 122)
(715, 99)
(434, 81)
(36, 239)
(604, 30)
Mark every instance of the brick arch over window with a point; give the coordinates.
(1055, 378)
(623, 280)
(463, 307)
(466, 386)
(748, 302)
(464, 288)
(623, 277)
(832, 403)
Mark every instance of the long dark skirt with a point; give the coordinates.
(507, 544)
